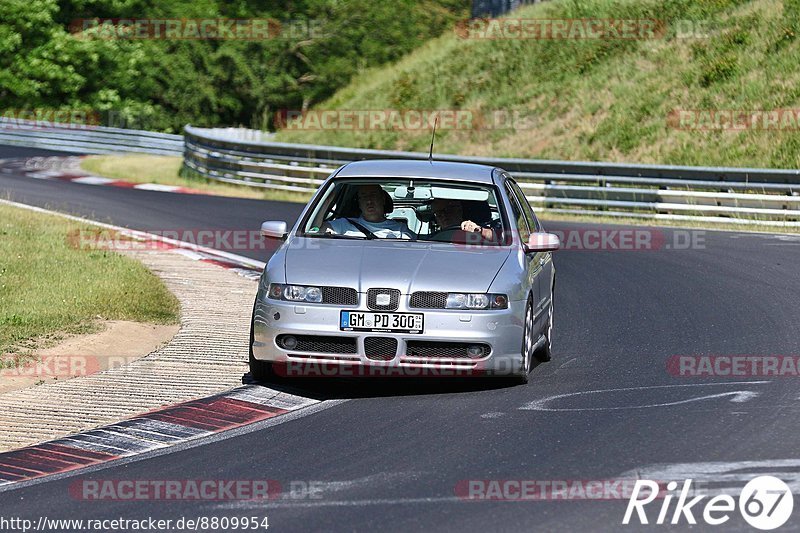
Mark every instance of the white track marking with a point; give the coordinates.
(343, 503)
(728, 477)
(92, 180)
(156, 187)
(232, 258)
(737, 397)
(43, 175)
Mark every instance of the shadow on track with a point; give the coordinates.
(330, 388)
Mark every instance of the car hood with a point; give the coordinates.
(407, 266)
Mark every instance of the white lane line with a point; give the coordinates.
(737, 396)
(92, 180)
(39, 175)
(244, 505)
(232, 258)
(728, 476)
(156, 187)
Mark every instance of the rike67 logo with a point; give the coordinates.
(765, 503)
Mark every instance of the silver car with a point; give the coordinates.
(407, 268)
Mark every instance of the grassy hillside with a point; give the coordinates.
(599, 99)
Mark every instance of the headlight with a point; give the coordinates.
(456, 300)
(295, 293)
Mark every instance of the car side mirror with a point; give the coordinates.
(543, 242)
(274, 229)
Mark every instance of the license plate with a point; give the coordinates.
(385, 322)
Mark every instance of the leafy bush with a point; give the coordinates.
(162, 85)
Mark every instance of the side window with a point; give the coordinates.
(519, 222)
(533, 222)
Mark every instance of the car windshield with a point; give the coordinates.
(406, 209)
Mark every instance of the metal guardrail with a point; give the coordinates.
(87, 139)
(753, 196)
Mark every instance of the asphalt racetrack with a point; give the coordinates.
(397, 455)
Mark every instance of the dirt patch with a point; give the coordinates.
(119, 343)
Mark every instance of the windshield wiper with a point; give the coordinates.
(333, 236)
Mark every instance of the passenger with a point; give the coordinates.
(450, 214)
(372, 203)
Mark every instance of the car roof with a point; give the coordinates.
(411, 168)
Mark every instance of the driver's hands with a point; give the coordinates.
(470, 227)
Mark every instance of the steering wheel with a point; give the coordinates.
(437, 235)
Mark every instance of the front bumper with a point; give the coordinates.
(501, 330)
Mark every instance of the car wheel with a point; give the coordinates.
(259, 370)
(545, 352)
(527, 344)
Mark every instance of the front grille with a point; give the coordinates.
(380, 348)
(429, 300)
(394, 299)
(319, 343)
(339, 296)
(433, 349)
(307, 357)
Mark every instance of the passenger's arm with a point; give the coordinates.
(471, 227)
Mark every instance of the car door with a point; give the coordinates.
(519, 224)
(544, 260)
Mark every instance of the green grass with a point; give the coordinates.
(165, 170)
(49, 288)
(599, 100)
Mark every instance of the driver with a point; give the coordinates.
(450, 214)
(372, 203)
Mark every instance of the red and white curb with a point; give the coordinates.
(158, 429)
(243, 266)
(69, 169)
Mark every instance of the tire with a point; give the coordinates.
(527, 345)
(259, 370)
(545, 352)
